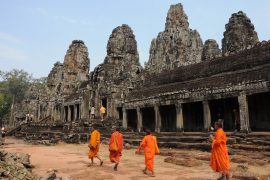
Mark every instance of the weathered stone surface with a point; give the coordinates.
(183, 161)
(65, 78)
(210, 50)
(240, 34)
(245, 176)
(113, 78)
(177, 45)
(51, 175)
(15, 166)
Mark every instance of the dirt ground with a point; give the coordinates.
(71, 161)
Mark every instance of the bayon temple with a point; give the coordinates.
(184, 87)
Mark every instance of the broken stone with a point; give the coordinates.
(128, 146)
(244, 176)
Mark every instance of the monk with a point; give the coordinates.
(116, 147)
(219, 155)
(93, 145)
(149, 143)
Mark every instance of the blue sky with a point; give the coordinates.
(34, 34)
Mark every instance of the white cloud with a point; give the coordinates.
(11, 54)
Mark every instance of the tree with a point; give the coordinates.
(14, 85)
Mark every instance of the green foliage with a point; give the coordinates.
(13, 85)
(16, 83)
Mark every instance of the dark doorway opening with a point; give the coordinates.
(78, 111)
(193, 116)
(120, 113)
(224, 109)
(168, 118)
(66, 114)
(104, 102)
(148, 118)
(71, 113)
(259, 111)
(132, 119)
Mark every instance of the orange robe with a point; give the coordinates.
(115, 155)
(94, 143)
(219, 156)
(149, 143)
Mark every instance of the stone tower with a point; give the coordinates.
(117, 75)
(210, 50)
(239, 34)
(65, 78)
(177, 45)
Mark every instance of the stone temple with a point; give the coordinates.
(185, 86)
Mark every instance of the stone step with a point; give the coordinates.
(250, 147)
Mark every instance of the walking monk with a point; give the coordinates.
(116, 147)
(94, 143)
(219, 155)
(149, 143)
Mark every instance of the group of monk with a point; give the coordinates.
(219, 156)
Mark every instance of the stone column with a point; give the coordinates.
(38, 118)
(179, 117)
(139, 120)
(124, 122)
(243, 111)
(206, 115)
(75, 112)
(157, 119)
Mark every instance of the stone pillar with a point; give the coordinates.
(62, 113)
(139, 120)
(206, 115)
(179, 117)
(124, 122)
(243, 111)
(157, 119)
(38, 116)
(75, 112)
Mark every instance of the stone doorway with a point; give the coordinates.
(148, 118)
(71, 113)
(120, 113)
(104, 102)
(193, 116)
(168, 118)
(132, 119)
(66, 113)
(259, 111)
(224, 109)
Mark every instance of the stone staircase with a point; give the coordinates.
(200, 140)
(78, 131)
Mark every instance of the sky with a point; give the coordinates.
(34, 34)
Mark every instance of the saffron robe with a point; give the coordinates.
(94, 144)
(219, 155)
(149, 143)
(116, 139)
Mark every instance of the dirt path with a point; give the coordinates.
(71, 161)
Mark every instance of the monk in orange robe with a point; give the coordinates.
(219, 155)
(93, 145)
(116, 147)
(149, 143)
